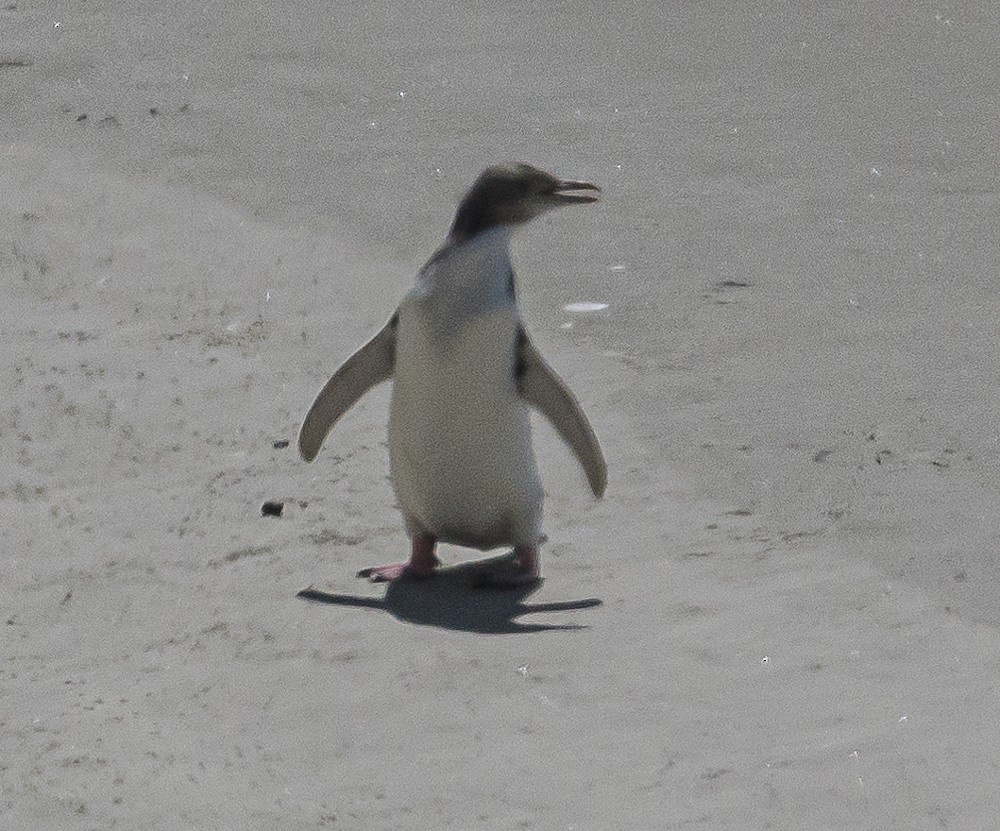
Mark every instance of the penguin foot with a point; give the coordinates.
(423, 563)
(523, 572)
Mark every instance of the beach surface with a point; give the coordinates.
(782, 615)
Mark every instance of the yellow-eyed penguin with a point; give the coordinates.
(464, 373)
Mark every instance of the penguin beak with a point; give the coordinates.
(569, 192)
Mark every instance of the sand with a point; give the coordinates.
(783, 613)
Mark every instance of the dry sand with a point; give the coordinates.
(796, 383)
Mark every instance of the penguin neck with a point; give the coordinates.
(475, 269)
(477, 213)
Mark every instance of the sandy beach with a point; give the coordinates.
(782, 615)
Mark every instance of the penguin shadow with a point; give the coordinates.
(455, 598)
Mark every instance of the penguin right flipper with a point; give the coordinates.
(540, 386)
(372, 364)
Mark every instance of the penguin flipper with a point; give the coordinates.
(372, 364)
(540, 386)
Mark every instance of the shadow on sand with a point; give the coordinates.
(454, 600)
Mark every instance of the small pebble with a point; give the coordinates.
(272, 509)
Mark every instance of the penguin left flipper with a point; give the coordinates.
(372, 364)
(540, 386)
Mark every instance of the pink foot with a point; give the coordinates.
(524, 571)
(422, 564)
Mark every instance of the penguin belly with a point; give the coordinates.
(460, 452)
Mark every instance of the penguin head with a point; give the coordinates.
(514, 194)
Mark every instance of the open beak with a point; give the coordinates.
(569, 192)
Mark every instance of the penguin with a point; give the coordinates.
(464, 373)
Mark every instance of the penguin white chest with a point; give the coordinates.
(460, 447)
